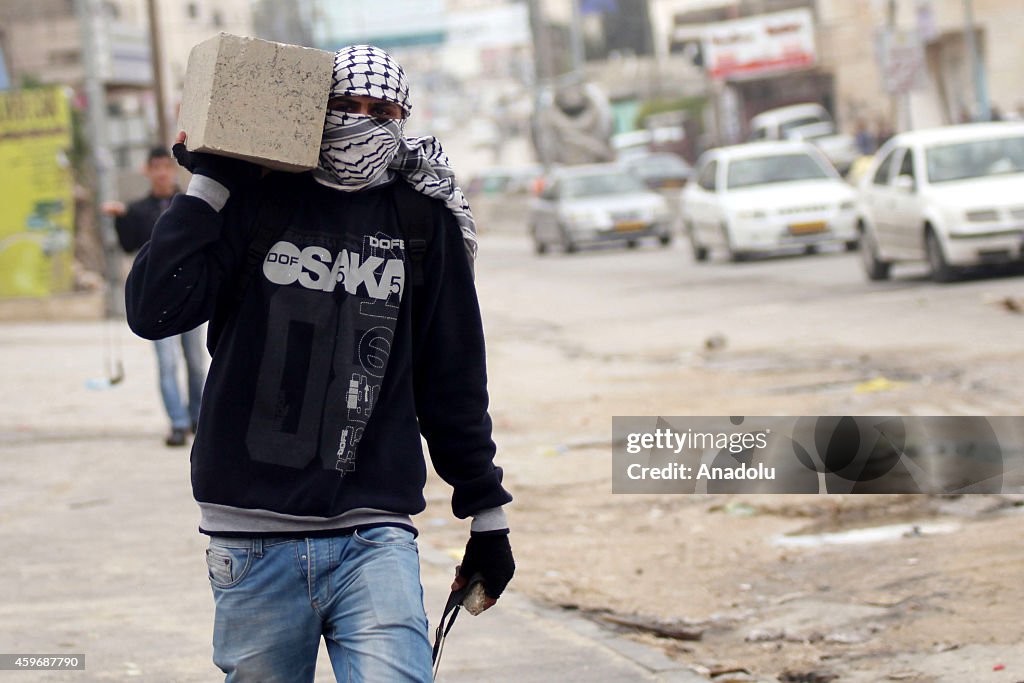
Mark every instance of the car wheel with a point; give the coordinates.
(568, 245)
(665, 240)
(876, 268)
(700, 252)
(810, 248)
(539, 246)
(730, 251)
(632, 244)
(941, 270)
(852, 245)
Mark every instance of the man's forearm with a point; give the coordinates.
(174, 280)
(491, 519)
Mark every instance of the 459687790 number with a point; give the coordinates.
(41, 662)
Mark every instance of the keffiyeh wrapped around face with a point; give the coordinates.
(359, 152)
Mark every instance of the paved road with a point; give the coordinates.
(659, 304)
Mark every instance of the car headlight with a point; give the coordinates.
(581, 218)
(745, 215)
(982, 215)
(585, 219)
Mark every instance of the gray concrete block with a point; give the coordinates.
(256, 100)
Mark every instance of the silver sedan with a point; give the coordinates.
(594, 204)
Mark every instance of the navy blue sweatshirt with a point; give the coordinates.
(321, 380)
(136, 226)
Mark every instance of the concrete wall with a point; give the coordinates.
(845, 49)
(44, 48)
(845, 39)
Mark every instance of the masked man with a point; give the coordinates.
(358, 331)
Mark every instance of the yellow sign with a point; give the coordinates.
(36, 193)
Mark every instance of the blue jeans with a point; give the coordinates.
(276, 597)
(193, 347)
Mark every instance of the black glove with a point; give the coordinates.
(231, 173)
(489, 554)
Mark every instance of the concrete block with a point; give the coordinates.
(256, 100)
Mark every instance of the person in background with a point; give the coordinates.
(134, 224)
(864, 139)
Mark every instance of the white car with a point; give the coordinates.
(766, 196)
(597, 203)
(953, 196)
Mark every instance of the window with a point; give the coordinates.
(550, 193)
(64, 57)
(788, 126)
(975, 159)
(779, 168)
(600, 185)
(907, 167)
(706, 179)
(193, 10)
(218, 20)
(881, 176)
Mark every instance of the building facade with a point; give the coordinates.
(931, 81)
(887, 65)
(184, 24)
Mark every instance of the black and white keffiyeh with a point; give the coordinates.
(359, 152)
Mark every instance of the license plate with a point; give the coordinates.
(807, 228)
(630, 226)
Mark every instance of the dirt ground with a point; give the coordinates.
(940, 603)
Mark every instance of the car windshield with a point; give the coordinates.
(779, 168)
(821, 129)
(975, 159)
(788, 126)
(600, 184)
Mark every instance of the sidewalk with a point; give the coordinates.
(102, 555)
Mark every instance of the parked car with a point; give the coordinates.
(767, 196)
(953, 196)
(660, 170)
(808, 122)
(596, 203)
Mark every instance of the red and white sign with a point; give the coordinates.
(756, 46)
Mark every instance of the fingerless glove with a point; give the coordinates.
(489, 554)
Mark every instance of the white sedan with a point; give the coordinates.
(767, 196)
(953, 196)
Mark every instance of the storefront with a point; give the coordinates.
(763, 62)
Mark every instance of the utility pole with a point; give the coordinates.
(576, 36)
(983, 111)
(156, 56)
(542, 72)
(541, 54)
(89, 14)
(896, 100)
